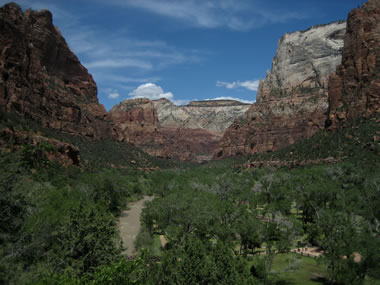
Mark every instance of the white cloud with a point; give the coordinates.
(119, 63)
(231, 98)
(234, 14)
(120, 79)
(114, 95)
(252, 85)
(150, 91)
(111, 93)
(100, 49)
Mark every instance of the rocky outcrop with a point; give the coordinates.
(213, 115)
(354, 90)
(292, 101)
(43, 80)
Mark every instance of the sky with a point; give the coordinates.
(182, 50)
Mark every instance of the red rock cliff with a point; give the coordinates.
(354, 90)
(136, 120)
(43, 80)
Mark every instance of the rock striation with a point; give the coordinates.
(42, 79)
(212, 115)
(138, 122)
(292, 101)
(354, 90)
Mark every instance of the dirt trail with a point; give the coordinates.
(129, 225)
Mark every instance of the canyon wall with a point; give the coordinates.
(43, 80)
(292, 101)
(354, 90)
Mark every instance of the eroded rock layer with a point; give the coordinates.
(176, 136)
(292, 101)
(354, 90)
(213, 115)
(43, 80)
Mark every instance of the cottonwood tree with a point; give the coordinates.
(197, 261)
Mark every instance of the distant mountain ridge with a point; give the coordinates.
(161, 128)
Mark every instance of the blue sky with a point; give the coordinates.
(182, 50)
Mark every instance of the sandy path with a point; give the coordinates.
(129, 225)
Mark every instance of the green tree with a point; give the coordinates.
(197, 261)
(339, 241)
(86, 240)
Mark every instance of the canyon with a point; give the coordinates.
(320, 77)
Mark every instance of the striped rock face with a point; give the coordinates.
(292, 101)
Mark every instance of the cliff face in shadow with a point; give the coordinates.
(43, 80)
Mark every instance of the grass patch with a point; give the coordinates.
(297, 269)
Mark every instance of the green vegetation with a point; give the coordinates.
(57, 220)
(223, 224)
(297, 269)
(250, 212)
